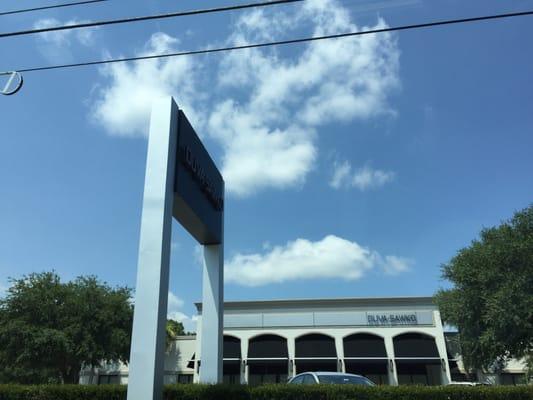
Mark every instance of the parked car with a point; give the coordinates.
(468, 384)
(337, 378)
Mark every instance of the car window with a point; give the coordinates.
(298, 379)
(309, 379)
(344, 379)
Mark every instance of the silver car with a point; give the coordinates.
(336, 378)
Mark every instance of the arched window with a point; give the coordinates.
(268, 346)
(417, 359)
(364, 345)
(415, 345)
(315, 352)
(268, 359)
(231, 368)
(232, 347)
(365, 354)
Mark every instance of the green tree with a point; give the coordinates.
(491, 301)
(173, 330)
(50, 329)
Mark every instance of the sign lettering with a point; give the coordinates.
(392, 319)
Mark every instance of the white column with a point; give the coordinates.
(198, 350)
(146, 366)
(339, 345)
(291, 353)
(441, 347)
(391, 365)
(212, 314)
(244, 358)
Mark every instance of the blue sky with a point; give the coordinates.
(354, 167)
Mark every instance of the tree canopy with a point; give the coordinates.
(50, 329)
(491, 301)
(173, 330)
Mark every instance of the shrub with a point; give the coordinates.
(206, 392)
(62, 392)
(345, 392)
(270, 392)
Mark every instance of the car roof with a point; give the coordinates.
(329, 373)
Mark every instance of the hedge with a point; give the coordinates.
(270, 392)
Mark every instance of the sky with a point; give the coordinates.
(354, 167)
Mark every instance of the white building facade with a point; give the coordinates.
(392, 341)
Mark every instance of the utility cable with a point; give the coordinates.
(26, 10)
(284, 42)
(147, 18)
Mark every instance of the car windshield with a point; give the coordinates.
(344, 379)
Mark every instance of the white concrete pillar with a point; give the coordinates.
(391, 366)
(441, 347)
(212, 314)
(291, 352)
(244, 360)
(198, 350)
(146, 368)
(339, 347)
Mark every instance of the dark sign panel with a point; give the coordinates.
(199, 187)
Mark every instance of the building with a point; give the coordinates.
(392, 341)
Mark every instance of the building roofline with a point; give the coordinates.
(342, 301)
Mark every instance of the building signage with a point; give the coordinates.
(392, 319)
(198, 188)
(329, 318)
(187, 158)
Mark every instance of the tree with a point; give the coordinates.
(491, 302)
(173, 330)
(50, 329)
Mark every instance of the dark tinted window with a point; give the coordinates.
(298, 379)
(232, 347)
(268, 346)
(364, 345)
(315, 345)
(415, 345)
(309, 379)
(344, 379)
(185, 378)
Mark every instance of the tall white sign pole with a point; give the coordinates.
(146, 369)
(212, 314)
(181, 182)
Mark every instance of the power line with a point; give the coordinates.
(148, 17)
(283, 42)
(25, 10)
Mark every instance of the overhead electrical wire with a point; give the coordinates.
(62, 5)
(283, 42)
(147, 18)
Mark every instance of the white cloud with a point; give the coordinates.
(269, 137)
(366, 178)
(256, 156)
(268, 109)
(174, 302)
(363, 178)
(174, 311)
(341, 174)
(393, 265)
(84, 36)
(123, 106)
(331, 257)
